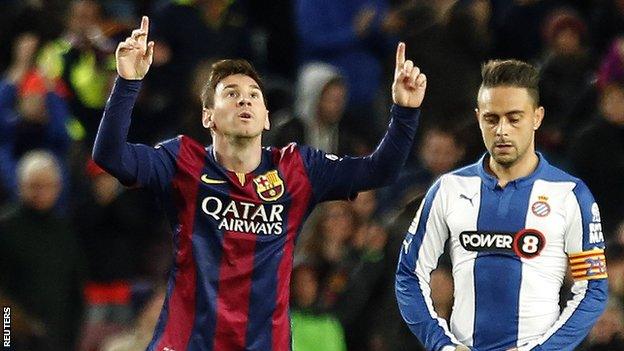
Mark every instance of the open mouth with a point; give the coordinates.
(245, 115)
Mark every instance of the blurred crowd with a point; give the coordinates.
(84, 260)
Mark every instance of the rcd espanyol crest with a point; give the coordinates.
(269, 186)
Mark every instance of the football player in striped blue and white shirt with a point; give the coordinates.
(514, 224)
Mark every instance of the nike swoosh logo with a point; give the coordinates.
(207, 180)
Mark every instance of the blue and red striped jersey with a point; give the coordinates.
(234, 234)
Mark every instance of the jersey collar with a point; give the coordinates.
(492, 182)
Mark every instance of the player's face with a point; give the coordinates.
(239, 109)
(508, 119)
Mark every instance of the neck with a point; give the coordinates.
(521, 168)
(240, 155)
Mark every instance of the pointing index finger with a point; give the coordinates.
(400, 55)
(145, 24)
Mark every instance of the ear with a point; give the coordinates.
(477, 114)
(267, 123)
(207, 121)
(538, 117)
(478, 119)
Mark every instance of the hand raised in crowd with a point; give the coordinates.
(24, 51)
(408, 88)
(134, 55)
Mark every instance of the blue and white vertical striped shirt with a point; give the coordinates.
(510, 248)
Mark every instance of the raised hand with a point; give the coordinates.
(134, 55)
(24, 53)
(25, 48)
(408, 88)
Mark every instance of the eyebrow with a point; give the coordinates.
(512, 112)
(232, 86)
(515, 112)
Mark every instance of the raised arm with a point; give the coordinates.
(336, 178)
(409, 85)
(134, 55)
(408, 91)
(132, 164)
(24, 53)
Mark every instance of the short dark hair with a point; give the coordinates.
(514, 73)
(225, 68)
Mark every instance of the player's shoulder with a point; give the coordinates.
(170, 143)
(181, 143)
(463, 180)
(461, 177)
(284, 153)
(554, 174)
(287, 149)
(471, 170)
(294, 150)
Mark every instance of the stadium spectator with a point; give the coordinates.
(566, 67)
(83, 58)
(320, 107)
(313, 329)
(523, 42)
(606, 22)
(348, 35)
(440, 150)
(449, 46)
(114, 228)
(612, 65)
(600, 147)
(42, 265)
(32, 114)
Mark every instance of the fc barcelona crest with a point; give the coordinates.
(269, 186)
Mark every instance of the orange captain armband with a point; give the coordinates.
(588, 265)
